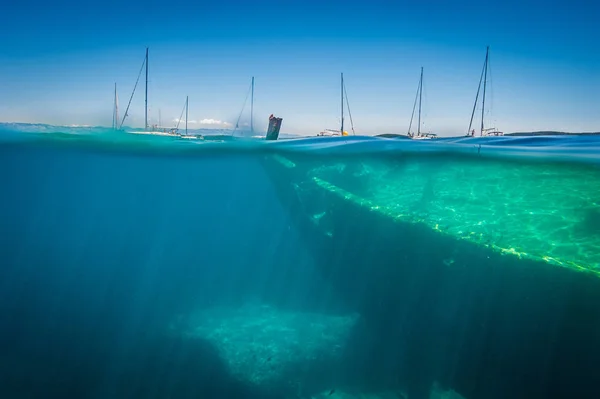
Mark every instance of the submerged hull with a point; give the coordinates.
(474, 315)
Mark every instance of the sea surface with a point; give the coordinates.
(140, 266)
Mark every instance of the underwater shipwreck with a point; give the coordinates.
(421, 273)
(484, 271)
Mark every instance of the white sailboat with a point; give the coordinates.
(331, 132)
(341, 132)
(419, 135)
(186, 135)
(492, 131)
(155, 129)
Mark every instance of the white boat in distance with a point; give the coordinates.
(332, 132)
(489, 132)
(341, 131)
(418, 135)
(424, 136)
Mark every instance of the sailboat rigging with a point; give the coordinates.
(349, 113)
(483, 79)
(251, 94)
(133, 92)
(342, 98)
(186, 135)
(185, 109)
(419, 98)
(341, 132)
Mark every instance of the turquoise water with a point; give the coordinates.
(143, 266)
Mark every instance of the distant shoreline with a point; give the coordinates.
(551, 133)
(540, 133)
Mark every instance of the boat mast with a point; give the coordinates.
(487, 51)
(349, 112)
(159, 122)
(115, 114)
(342, 98)
(252, 108)
(420, 96)
(186, 113)
(116, 107)
(484, 70)
(146, 114)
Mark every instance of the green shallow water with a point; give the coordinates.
(548, 212)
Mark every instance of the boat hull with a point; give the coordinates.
(475, 320)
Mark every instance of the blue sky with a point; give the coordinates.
(59, 62)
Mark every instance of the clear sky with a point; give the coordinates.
(59, 62)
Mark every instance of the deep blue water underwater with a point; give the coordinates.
(107, 241)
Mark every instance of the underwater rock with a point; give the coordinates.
(273, 349)
(439, 393)
(339, 394)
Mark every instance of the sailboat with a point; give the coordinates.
(489, 131)
(419, 135)
(186, 135)
(154, 129)
(341, 132)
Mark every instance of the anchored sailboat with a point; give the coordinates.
(341, 132)
(419, 96)
(186, 135)
(155, 129)
(489, 131)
